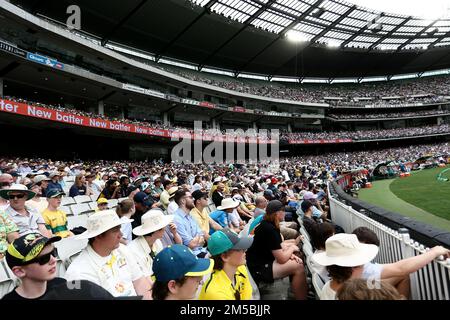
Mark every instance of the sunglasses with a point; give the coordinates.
(42, 260)
(16, 196)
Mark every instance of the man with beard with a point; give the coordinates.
(187, 227)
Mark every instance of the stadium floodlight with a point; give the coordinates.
(375, 28)
(333, 44)
(432, 31)
(295, 36)
(318, 12)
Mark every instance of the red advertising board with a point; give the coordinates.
(74, 119)
(207, 104)
(238, 109)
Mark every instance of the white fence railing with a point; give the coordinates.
(429, 283)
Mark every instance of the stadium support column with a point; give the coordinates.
(101, 107)
(289, 127)
(440, 121)
(213, 123)
(1, 87)
(166, 119)
(255, 127)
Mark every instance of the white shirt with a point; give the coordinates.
(115, 273)
(141, 252)
(372, 271)
(126, 230)
(40, 205)
(172, 207)
(285, 175)
(26, 224)
(95, 188)
(234, 218)
(290, 193)
(327, 293)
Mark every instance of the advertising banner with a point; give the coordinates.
(319, 141)
(207, 105)
(45, 61)
(24, 109)
(238, 109)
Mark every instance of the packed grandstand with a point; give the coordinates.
(93, 194)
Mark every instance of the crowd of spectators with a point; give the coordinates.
(345, 116)
(263, 134)
(368, 134)
(163, 233)
(425, 90)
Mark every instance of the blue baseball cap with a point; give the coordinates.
(177, 261)
(223, 240)
(142, 197)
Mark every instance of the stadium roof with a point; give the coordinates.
(337, 38)
(334, 22)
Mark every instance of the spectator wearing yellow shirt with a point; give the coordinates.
(200, 214)
(55, 219)
(229, 279)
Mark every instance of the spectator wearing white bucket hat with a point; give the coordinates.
(223, 215)
(27, 219)
(344, 257)
(107, 262)
(148, 242)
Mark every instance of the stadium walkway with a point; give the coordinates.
(381, 195)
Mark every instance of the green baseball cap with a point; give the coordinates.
(223, 240)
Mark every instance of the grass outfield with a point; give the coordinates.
(419, 196)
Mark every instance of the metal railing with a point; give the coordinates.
(432, 282)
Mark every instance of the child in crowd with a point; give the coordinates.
(125, 210)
